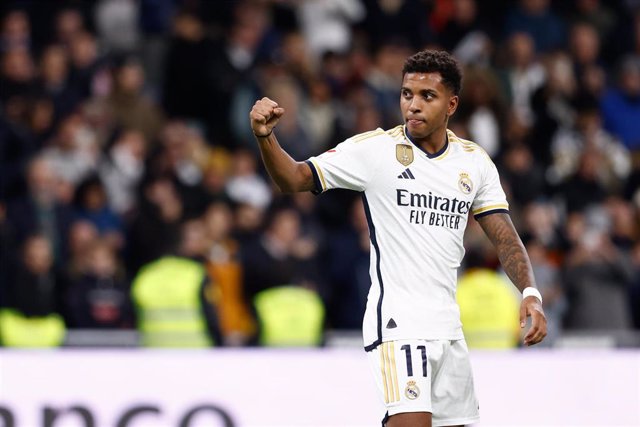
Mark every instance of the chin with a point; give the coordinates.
(418, 133)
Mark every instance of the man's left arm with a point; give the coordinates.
(515, 261)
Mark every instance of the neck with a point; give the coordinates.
(432, 143)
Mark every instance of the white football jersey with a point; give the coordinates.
(417, 206)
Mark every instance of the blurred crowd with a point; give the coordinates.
(124, 143)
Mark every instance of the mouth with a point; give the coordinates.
(414, 122)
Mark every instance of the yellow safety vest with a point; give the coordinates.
(167, 295)
(289, 316)
(489, 310)
(18, 330)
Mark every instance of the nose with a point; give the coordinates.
(414, 107)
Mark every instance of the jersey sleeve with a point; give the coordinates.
(350, 165)
(490, 197)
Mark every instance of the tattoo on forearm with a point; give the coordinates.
(511, 252)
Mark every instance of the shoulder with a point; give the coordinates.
(376, 135)
(467, 147)
(395, 134)
(368, 141)
(465, 144)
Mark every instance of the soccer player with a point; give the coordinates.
(419, 182)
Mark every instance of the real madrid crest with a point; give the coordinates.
(411, 391)
(404, 154)
(464, 183)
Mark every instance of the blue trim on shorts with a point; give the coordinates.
(385, 419)
(374, 242)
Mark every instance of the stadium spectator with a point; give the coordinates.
(568, 145)
(296, 57)
(583, 188)
(597, 14)
(91, 205)
(584, 46)
(15, 32)
(623, 229)
(117, 24)
(245, 185)
(320, 116)
(541, 223)
(156, 226)
(17, 79)
(216, 172)
(35, 281)
(81, 236)
(327, 24)
(31, 318)
(536, 18)
(226, 287)
(85, 63)
(54, 81)
(17, 148)
(98, 296)
(41, 121)
(552, 105)
(465, 35)
(488, 306)
(233, 57)
(404, 20)
(182, 155)
(270, 260)
(127, 103)
(383, 79)
(248, 222)
(482, 109)
(69, 23)
(548, 278)
(73, 151)
(169, 295)
(523, 75)
(289, 316)
(186, 68)
(40, 209)
(621, 104)
(596, 278)
(522, 174)
(121, 168)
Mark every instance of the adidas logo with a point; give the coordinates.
(406, 174)
(392, 323)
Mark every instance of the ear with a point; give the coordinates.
(453, 105)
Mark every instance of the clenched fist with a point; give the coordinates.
(264, 116)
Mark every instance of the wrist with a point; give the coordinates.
(263, 136)
(530, 291)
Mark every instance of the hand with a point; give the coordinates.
(264, 116)
(532, 307)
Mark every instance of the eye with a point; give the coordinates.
(406, 94)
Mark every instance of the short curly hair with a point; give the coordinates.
(436, 61)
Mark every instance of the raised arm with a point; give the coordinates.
(289, 175)
(515, 261)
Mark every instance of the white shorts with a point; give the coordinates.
(426, 376)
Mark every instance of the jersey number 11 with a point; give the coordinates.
(423, 352)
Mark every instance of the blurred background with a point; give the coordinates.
(135, 212)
